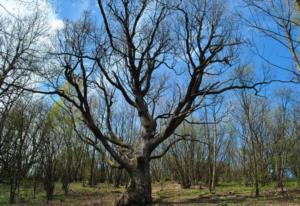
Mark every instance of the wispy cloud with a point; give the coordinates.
(23, 8)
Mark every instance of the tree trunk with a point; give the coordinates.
(214, 156)
(256, 177)
(65, 183)
(209, 158)
(92, 180)
(35, 184)
(49, 183)
(14, 186)
(13, 189)
(138, 192)
(280, 174)
(256, 188)
(117, 178)
(92, 170)
(49, 187)
(213, 176)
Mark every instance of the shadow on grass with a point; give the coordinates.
(216, 199)
(238, 199)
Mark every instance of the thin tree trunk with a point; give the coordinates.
(117, 178)
(92, 181)
(214, 156)
(280, 174)
(209, 153)
(256, 187)
(255, 173)
(35, 184)
(13, 189)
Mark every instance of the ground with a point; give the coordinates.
(166, 194)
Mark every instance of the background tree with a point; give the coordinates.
(19, 53)
(278, 20)
(21, 143)
(282, 133)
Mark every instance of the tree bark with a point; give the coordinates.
(13, 189)
(138, 192)
(117, 178)
(210, 151)
(92, 180)
(214, 157)
(280, 174)
(14, 186)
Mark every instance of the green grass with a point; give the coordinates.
(170, 193)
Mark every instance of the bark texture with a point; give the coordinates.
(138, 192)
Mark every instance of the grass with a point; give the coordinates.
(166, 194)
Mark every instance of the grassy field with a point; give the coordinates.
(166, 195)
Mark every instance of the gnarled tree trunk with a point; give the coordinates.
(138, 192)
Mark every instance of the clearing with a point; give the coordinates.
(166, 194)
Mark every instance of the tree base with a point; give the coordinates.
(130, 199)
(138, 192)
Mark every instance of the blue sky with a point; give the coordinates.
(72, 9)
(267, 47)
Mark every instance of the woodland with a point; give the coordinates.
(151, 102)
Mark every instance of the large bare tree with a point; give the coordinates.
(145, 53)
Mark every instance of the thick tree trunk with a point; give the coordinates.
(138, 192)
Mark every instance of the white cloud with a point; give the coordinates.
(19, 10)
(23, 8)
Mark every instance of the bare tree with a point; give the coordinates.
(254, 134)
(50, 158)
(19, 53)
(146, 52)
(20, 143)
(296, 147)
(214, 144)
(278, 20)
(282, 133)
